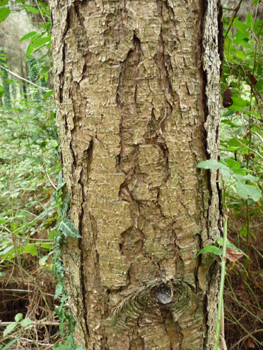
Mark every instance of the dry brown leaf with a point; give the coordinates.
(233, 255)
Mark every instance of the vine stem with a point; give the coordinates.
(222, 281)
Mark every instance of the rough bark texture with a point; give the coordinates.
(137, 91)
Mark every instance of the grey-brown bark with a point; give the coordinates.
(137, 91)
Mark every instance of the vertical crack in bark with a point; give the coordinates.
(87, 160)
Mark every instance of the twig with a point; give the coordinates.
(51, 181)
(23, 291)
(233, 17)
(34, 323)
(28, 81)
(39, 9)
(245, 337)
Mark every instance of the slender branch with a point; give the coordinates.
(233, 17)
(41, 14)
(28, 81)
(34, 323)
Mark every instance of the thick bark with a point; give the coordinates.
(137, 91)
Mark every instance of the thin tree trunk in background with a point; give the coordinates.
(138, 106)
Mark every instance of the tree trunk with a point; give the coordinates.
(138, 106)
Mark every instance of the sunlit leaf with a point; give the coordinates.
(68, 229)
(4, 13)
(211, 164)
(248, 191)
(18, 317)
(27, 36)
(10, 328)
(211, 249)
(26, 322)
(31, 9)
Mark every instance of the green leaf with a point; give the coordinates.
(41, 41)
(211, 164)
(10, 343)
(31, 9)
(26, 322)
(247, 177)
(62, 347)
(68, 229)
(248, 191)
(231, 163)
(59, 289)
(211, 249)
(240, 101)
(29, 50)
(4, 13)
(10, 328)
(243, 232)
(241, 55)
(241, 27)
(2, 91)
(18, 317)
(43, 260)
(230, 245)
(49, 93)
(3, 2)
(30, 249)
(27, 36)
(249, 20)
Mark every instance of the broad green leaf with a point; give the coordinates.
(29, 249)
(27, 36)
(4, 13)
(240, 54)
(29, 50)
(241, 27)
(49, 93)
(31, 9)
(235, 108)
(211, 164)
(10, 343)
(10, 328)
(240, 101)
(241, 39)
(62, 347)
(2, 91)
(6, 250)
(26, 322)
(59, 290)
(259, 85)
(249, 20)
(243, 232)
(41, 41)
(247, 177)
(44, 70)
(226, 172)
(211, 249)
(18, 317)
(239, 171)
(231, 163)
(43, 260)
(68, 229)
(230, 245)
(3, 2)
(248, 191)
